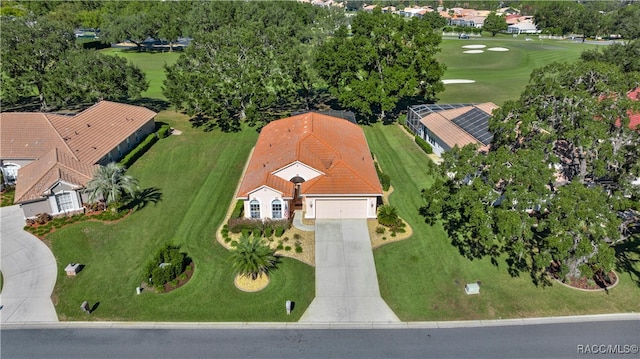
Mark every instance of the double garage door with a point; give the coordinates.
(341, 208)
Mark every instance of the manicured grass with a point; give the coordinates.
(422, 278)
(499, 76)
(152, 64)
(7, 196)
(197, 173)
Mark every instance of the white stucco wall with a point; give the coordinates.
(265, 196)
(297, 169)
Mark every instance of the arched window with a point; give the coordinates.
(254, 209)
(276, 209)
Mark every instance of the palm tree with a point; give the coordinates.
(111, 183)
(387, 215)
(252, 257)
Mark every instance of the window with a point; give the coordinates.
(254, 208)
(276, 209)
(64, 201)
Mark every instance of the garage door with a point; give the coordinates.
(343, 208)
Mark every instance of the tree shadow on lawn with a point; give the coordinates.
(625, 253)
(154, 104)
(144, 197)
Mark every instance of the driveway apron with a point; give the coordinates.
(29, 270)
(346, 282)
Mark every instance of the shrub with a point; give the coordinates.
(168, 263)
(164, 131)
(257, 233)
(42, 218)
(287, 248)
(426, 147)
(297, 236)
(238, 210)
(285, 239)
(384, 178)
(237, 225)
(280, 247)
(279, 231)
(298, 249)
(380, 230)
(268, 232)
(245, 232)
(139, 150)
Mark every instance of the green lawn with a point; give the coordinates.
(422, 278)
(499, 76)
(197, 174)
(152, 64)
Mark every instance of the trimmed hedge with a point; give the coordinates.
(137, 152)
(238, 209)
(385, 179)
(164, 131)
(426, 147)
(133, 155)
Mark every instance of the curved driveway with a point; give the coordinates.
(29, 270)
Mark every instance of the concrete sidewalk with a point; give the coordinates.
(297, 222)
(346, 282)
(29, 270)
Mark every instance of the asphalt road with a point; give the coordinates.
(574, 340)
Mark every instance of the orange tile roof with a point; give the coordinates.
(94, 132)
(441, 124)
(29, 135)
(36, 178)
(331, 145)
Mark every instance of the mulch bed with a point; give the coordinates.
(593, 283)
(168, 287)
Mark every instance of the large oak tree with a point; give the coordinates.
(385, 61)
(550, 191)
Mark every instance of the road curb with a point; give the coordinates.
(320, 326)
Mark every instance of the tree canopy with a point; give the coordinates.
(40, 58)
(494, 23)
(253, 65)
(557, 176)
(385, 61)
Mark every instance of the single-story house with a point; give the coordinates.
(51, 157)
(524, 27)
(314, 162)
(445, 126)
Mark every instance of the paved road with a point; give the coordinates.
(346, 281)
(29, 270)
(567, 340)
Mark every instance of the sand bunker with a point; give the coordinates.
(473, 51)
(458, 81)
(474, 46)
(498, 49)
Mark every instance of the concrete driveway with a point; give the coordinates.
(346, 282)
(29, 270)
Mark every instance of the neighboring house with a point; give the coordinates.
(524, 27)
(445, 126)
(314, 162)
(50, 157)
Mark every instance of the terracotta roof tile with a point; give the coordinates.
(331, 145)
(94, 132)
(29, 135)
(36, 178)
